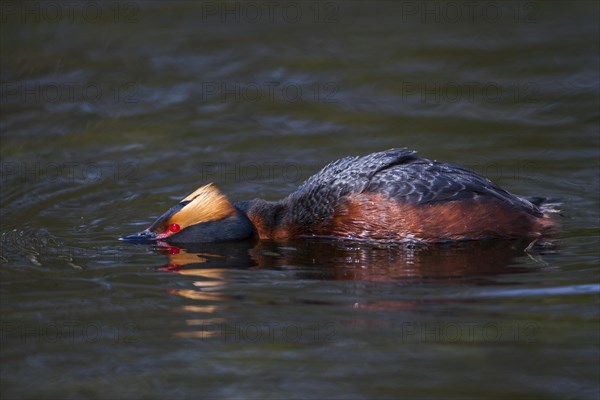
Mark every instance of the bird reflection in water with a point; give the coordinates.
(208, 264)
(212, 264)
(350, 260)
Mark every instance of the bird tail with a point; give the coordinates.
(547, 225)
(548, 206)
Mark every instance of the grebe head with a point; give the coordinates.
(204, 216)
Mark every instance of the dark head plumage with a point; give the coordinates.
(203, 216)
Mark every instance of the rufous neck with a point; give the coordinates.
(270, 218)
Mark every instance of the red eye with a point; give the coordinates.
(174, 228)
(173, 250)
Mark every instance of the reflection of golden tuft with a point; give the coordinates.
(207, 204)
(202, 309)
(185, 258)
(198, 295)
(182, 257)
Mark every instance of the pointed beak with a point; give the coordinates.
(145, 236)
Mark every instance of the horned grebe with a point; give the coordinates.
(391, 196)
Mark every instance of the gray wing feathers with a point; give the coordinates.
(398, 174)
(428, 181)
(317, 197)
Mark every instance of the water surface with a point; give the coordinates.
(110, 118)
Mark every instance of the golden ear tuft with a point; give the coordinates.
(207, 203)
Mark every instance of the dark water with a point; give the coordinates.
(113, 111)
